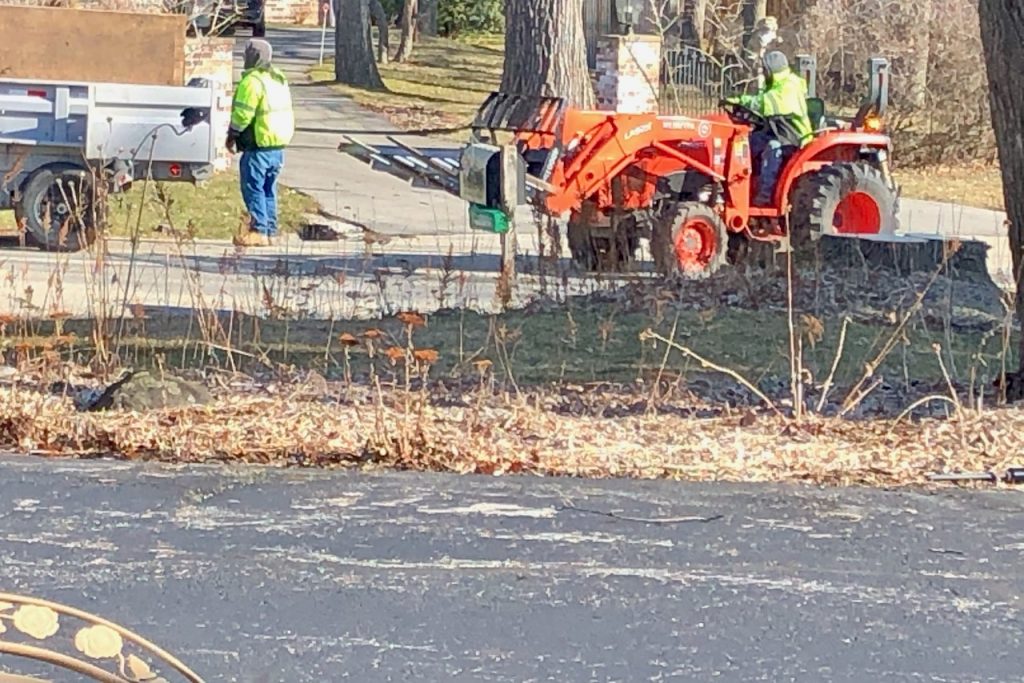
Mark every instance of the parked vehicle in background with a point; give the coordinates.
(223, 17)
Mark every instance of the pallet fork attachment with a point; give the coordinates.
(520, 114)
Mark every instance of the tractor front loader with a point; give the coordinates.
(684, 184)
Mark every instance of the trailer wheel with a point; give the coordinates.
(691, 241)
(60, 208)
(846, 199)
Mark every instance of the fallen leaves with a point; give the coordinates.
(561, 433)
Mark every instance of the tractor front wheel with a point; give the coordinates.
(600, 248)
(847, 199)
(690, 240)
(581, 246)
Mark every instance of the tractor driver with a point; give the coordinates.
(783, 105)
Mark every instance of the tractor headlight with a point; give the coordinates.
(873, 123)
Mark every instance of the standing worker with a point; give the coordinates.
(262, 125)
(782, 103)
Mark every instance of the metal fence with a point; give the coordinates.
(693, 81)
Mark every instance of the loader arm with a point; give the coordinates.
(644, 147)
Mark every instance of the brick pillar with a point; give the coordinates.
(628, 73)
(213, 59)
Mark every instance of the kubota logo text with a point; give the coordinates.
(645, 128)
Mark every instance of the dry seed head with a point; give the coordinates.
(427, 356)
(412, 318)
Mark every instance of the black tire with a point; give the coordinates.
(627, 244)
(60, 208)
(689, 240)
(581, 248)
(843, 199)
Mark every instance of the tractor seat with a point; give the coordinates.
(816, 113)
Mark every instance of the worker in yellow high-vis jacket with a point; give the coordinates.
(782, 104)
(262, 125)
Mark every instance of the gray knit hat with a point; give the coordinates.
(775, 62)
(258, 54)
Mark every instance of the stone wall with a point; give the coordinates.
(628, 73)
(213, 59)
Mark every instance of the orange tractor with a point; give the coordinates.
(685, 184)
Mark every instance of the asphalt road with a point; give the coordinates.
(331, 576)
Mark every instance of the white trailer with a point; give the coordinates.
(65, 145)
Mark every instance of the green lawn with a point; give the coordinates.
(585, 343)
(211, 211)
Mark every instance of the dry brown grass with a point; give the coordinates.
(969, 184)
(440, 87)
(542, 435)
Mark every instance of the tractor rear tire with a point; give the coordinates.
(847, 199)
(690, 240)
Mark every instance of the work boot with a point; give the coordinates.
(251, 239)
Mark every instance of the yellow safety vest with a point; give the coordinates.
(263, 101)
(786, 97)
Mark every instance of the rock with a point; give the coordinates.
(318, 232)
(139, 391)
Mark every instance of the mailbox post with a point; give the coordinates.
(493, 181)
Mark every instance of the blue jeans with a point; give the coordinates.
(259, 170)
(769, 149)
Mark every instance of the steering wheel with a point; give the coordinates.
(741, 114)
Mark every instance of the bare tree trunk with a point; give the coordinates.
(353, 48)
(922, 53)
(1002, 25)
(426, 24)
(408, 31)
(545, 51)
(379, 18)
